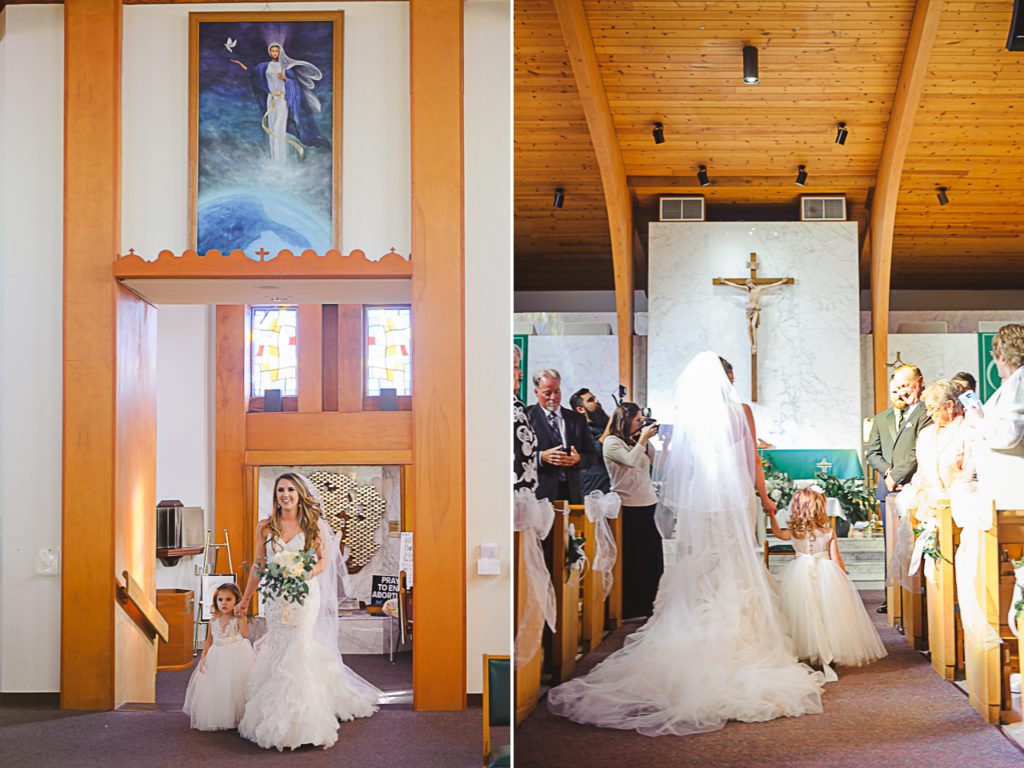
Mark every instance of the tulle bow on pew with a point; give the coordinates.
(973, 513)
(600, 508)
(534, 518)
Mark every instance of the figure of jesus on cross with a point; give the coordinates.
(754, 286)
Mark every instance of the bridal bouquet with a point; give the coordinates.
(284, 575)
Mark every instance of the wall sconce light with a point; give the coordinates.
(801, 175)
(658, 133)
(943, 197)
(559, 197)
(702, 176)
(841, 133)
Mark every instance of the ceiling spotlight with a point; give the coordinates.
(750, 65)
(559, 197)
(658, 133)
(841, 133)
(801, 175)
(702, 176)
(943, 198)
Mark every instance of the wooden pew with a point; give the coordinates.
(912, 607)
(567, 599)
(893, 594)
(527, 676)
(615, 598)
(988, 671)
(941, 598)
(592, 597)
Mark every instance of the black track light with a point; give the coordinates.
(943, 197)
(702, 176)
(841, 133)
(559, 197)
(801, 175)
(750, 65)
(659, 133)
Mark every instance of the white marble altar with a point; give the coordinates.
(809, 349)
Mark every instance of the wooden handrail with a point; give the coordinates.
(155, 623)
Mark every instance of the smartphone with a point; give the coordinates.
(969, 399)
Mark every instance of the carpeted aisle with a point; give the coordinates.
(896, 712)
(395, 737)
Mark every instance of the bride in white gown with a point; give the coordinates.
(717, 647)
(299, 688)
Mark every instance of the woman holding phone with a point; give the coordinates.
(628, 454)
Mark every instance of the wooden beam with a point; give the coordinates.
(438, 354)
(586, 71)
(92, 224)
(923, 29)
(310, 353)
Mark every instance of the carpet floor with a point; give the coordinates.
(42, 736)
(894, 713)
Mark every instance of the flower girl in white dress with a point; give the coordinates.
(215, 698)
(826, 617)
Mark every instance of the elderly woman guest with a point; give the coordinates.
(999, 426)
(944, 453)
(628, 454)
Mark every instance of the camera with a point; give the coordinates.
(648, 419)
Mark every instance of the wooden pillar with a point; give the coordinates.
(438, 354)
(310, 358)
(92, 147)
(923, 29)
(572, 18)
(232, 397)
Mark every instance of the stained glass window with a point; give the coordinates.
(274, 361)
(388, 343)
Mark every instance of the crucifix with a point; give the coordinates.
(754, 286)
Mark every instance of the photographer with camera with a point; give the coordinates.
(628, 455)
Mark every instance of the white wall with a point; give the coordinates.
(375, 122)
(184, 422)
(31, 264)
(808, 345)
(488, 307)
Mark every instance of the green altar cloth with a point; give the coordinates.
(805, 464)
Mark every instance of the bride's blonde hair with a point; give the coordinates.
(307, 511)
(806, 512)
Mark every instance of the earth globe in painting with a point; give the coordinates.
(249, 222)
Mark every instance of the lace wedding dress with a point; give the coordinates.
(299, 688)
(717, 647)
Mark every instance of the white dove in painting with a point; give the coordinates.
(230, 45)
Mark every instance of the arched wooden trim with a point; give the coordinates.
(580, 45)
(304, 265)
(923, 29)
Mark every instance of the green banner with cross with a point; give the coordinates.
(988, 375)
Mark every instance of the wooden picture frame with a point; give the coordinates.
(242, 175)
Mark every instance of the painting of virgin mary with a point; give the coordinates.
(265, 128)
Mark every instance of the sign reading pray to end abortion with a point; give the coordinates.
(383, 589)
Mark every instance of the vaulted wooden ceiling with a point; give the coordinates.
(679, 62)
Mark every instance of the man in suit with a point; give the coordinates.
(563, 441)
(585, 403)
(892, 447)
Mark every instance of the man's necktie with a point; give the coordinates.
(899, 420)
(557, 433)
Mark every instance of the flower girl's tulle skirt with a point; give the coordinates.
(215, 698)
(827, 620)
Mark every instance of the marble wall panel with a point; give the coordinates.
(958, 320)
(809, 356)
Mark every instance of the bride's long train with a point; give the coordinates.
(717, 647)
